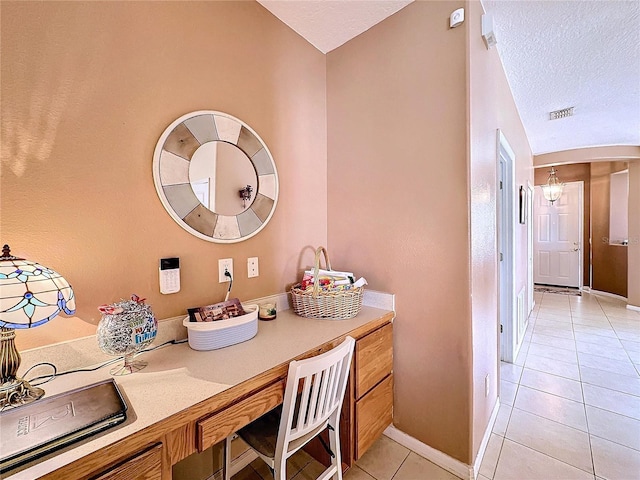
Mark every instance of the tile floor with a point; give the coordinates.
(570, 405)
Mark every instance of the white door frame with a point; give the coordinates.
(506, 221)
(530, 199)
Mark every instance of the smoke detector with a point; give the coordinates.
(565, 112)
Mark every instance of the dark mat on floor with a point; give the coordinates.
(560, 290)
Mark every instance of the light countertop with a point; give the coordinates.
(178, 377)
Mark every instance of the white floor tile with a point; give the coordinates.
(491, 454)
(510, 372)
(553, 332)
(518, 462)
(553, 366)
(551, 438)
(617, 402)
(631, 336)
(603, 363)
(613, 461)
(610, 380)
(507, 392)
(613, 427)
(565, 343)
(553, 384)
(599, 331)
(416, 466)
(613, 353)
(553, 407)
(564, 355)
(502, 420)
(596, 339)
(630, 346)
(383, 459)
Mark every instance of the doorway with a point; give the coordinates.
(510, 340)
(557, 246)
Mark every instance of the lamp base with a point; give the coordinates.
(17, 392)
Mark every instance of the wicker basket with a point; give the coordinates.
(319, 304)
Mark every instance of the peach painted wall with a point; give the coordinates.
(87, 89)
(633, 250)
(398, 205)
(491, 107)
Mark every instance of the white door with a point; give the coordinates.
(506, 219)
(530, 198)
(558, 237)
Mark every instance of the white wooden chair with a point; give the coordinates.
(277, 435)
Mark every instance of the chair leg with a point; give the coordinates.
(334, 443)
(280, 468)
(226, 467)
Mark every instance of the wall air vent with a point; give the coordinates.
(565, 112)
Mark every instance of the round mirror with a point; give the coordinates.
(218, 172)
(215, 176)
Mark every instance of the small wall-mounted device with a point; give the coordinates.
(456, 18)
(488, 34)
(169, 275)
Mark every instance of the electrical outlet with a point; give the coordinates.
(252, 267)
(224, 264)
(486, 385)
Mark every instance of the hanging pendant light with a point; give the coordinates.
(552, 190)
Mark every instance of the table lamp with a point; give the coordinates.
(30, 295)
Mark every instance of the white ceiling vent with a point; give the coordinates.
(565, 112)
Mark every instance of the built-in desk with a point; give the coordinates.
(184, 400)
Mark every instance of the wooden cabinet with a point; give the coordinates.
(374, 413)
(373, 369)
(143, 466)
(368, 404)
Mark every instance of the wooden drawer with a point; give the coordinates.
(216, 428)
(373, 359)
(144, 466)
(374, 413)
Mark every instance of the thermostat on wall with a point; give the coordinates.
(169, 275)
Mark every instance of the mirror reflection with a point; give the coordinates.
(218, 172)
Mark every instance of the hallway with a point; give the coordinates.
(570, 404)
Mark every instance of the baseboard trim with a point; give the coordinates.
(485, 440)
(458, 468)
(633, 307)
(607, 294)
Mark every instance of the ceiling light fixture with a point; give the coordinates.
(552, 190)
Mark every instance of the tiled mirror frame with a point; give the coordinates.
(171, 160)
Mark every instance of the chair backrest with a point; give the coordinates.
(314, 392)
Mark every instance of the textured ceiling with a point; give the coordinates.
(327, 24)
(582, 54)
(556, 54)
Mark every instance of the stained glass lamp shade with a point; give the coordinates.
(30, 295)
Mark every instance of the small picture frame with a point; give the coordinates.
(523, 205)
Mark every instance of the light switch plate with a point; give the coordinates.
(252, 267)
